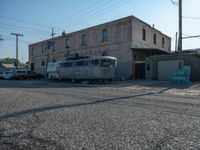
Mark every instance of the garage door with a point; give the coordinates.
(166, 68)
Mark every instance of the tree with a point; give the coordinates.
(9, 60)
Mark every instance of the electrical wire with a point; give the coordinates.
(192, 36)
(13, 28)
(13, 39)
(39, 31)
(186, 17)
(81, 13)
(97, 13)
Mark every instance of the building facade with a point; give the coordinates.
(115, 38)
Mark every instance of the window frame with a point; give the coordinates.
(104, 35)
(154, 39)
(67, 43)
(144, 34)
(43, 63)
(84, 39)
(163, 42)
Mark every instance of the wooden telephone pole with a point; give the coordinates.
(180, 36)
(1, 39)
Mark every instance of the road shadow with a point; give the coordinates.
(48, 108)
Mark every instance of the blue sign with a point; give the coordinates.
(182, 75)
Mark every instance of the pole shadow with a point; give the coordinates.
(48, 108)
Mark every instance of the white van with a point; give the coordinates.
(7, 75)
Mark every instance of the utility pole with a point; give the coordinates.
(1, 39)
(52, 33)
(17, 35)
(176, 42)
(180, 36)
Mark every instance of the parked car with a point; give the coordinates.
(7, 75)
(34, 75)
(24, 74)
(20, 74)
(1, 75)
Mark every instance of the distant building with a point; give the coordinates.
(128, 39)
(5, 67)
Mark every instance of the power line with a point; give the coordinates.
(20, 20)
(24, 30)
(79, 13)
(189, 36)
(23, 27)
(12, 39)
(98, 13)
(190, 17)
(28, 22)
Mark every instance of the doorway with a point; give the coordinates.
(140, 71)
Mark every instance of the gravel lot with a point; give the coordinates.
(128, 115)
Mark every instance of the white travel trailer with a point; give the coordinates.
(84, 68)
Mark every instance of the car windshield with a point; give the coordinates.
(7, 72)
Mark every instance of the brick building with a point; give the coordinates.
(129, 39)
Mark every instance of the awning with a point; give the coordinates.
(160, 51)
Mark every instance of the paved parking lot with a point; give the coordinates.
(127, 115)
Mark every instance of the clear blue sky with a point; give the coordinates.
(34, 19)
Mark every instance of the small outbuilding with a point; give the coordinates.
(162, 67)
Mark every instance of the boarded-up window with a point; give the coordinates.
(43, 63)
(163, 42)
(104, 35)
(154, 38)
(144, 34)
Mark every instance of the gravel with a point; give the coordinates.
(54, 115)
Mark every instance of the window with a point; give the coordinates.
(104, 35)
(53, 45)
(67, 64)
(42, 49)
(32, 51)
(107, 63)
(80, 63)
(43, 63)
(84, 40)
(95, 62)
(49, 44)
(163, 42)
(66, 43)
(148, 67)
(154, 38)
(144, 34)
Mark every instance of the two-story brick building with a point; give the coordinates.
(129, 39)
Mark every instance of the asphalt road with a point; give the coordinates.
(54, 115)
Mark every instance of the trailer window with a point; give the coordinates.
(80, 63)
(95, 62)
(67, 64)
(107, 63)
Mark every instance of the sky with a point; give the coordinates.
(35, 18)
